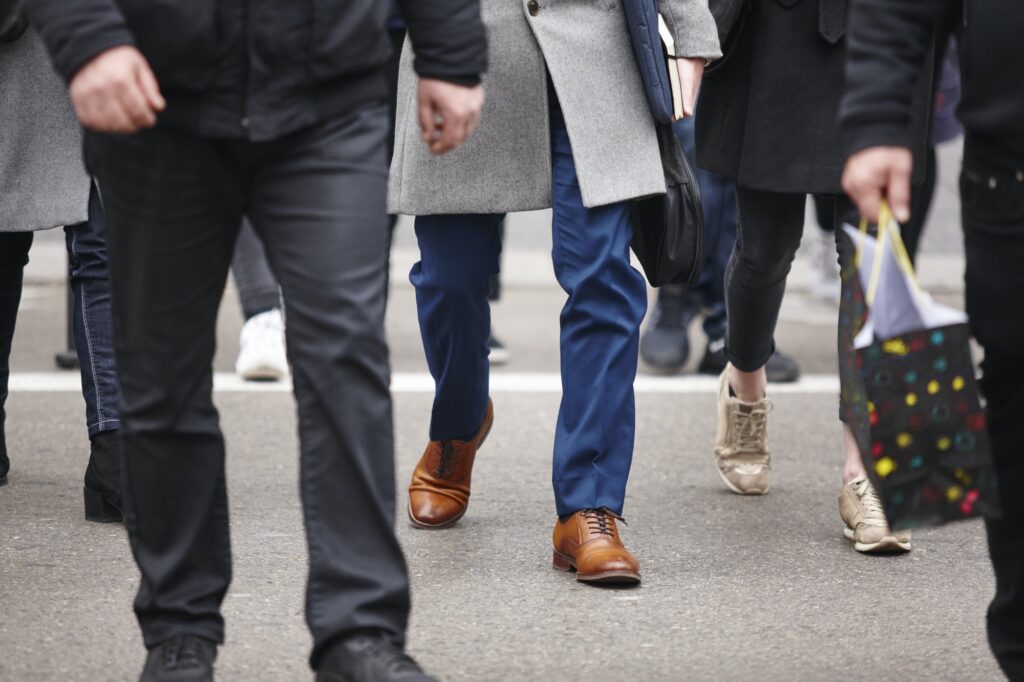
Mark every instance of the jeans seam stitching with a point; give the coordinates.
(88, 335)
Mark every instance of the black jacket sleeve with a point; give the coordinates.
(887, 48)
(448, 38)
(75, 32)
(12, 21)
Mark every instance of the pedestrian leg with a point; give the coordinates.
(318, 204)
(173, 208)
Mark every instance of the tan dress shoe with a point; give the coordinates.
(439, 492)
(588, 542)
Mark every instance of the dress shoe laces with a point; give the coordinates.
(394, 660)
(181, 653)
(601, 521)
(445, 463)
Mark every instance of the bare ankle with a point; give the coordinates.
(853, 465)
(749, 387)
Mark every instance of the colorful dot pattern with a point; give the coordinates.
(928, 443)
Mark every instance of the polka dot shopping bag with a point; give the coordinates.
(929, 455)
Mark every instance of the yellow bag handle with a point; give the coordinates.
(888, 230)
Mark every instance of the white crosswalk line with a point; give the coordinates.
(501, 382)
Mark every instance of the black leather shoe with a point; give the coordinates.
(103, 479)
(714, 360)
(184, 658)
(781, 369)
(665, 345)
(369, 658)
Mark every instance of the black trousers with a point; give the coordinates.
(14, 248)
(993, 218)
(317, 201)
(771, 225)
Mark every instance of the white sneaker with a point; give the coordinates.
(825, 267)
(261, 354)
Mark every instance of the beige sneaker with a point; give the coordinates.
(861, 511)
(741, 446)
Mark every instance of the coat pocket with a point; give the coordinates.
(180, 39)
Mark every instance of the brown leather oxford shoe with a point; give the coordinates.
(439, 492)
(588, 542)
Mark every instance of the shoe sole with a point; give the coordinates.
(662, 370)
(887, 545)
(263, 374)
(434, 526)
(561, 562)
(739, 491)
(499, 357)
(455, 519)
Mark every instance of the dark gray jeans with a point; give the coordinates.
(316, 199)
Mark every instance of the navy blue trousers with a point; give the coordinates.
(600, 326)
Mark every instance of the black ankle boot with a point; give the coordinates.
(5, 463)
(184, 658)
(103, 479)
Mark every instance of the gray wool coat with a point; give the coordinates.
(43, 183)
(506, 165)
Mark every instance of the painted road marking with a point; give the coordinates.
(501, 382)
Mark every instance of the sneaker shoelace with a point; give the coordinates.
(181, 653)
(869, 498)
(601, 521)
(751, 428)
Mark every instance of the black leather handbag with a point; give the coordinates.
(668, 229)
(12, 21)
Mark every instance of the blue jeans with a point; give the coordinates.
(600, 326)
(718, 196)
(93, 330)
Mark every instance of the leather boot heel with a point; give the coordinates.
(98, 509)
(560, 563)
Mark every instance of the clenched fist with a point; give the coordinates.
(448, 113)
(117, 92)
(878, 173)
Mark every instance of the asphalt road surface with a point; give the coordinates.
(733, 588)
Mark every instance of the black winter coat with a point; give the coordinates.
(768, 114)
(888, 47)
(260, 69)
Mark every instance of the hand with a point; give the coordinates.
(878, 173)
(448, 113)
(117, 92)
(691, 71)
